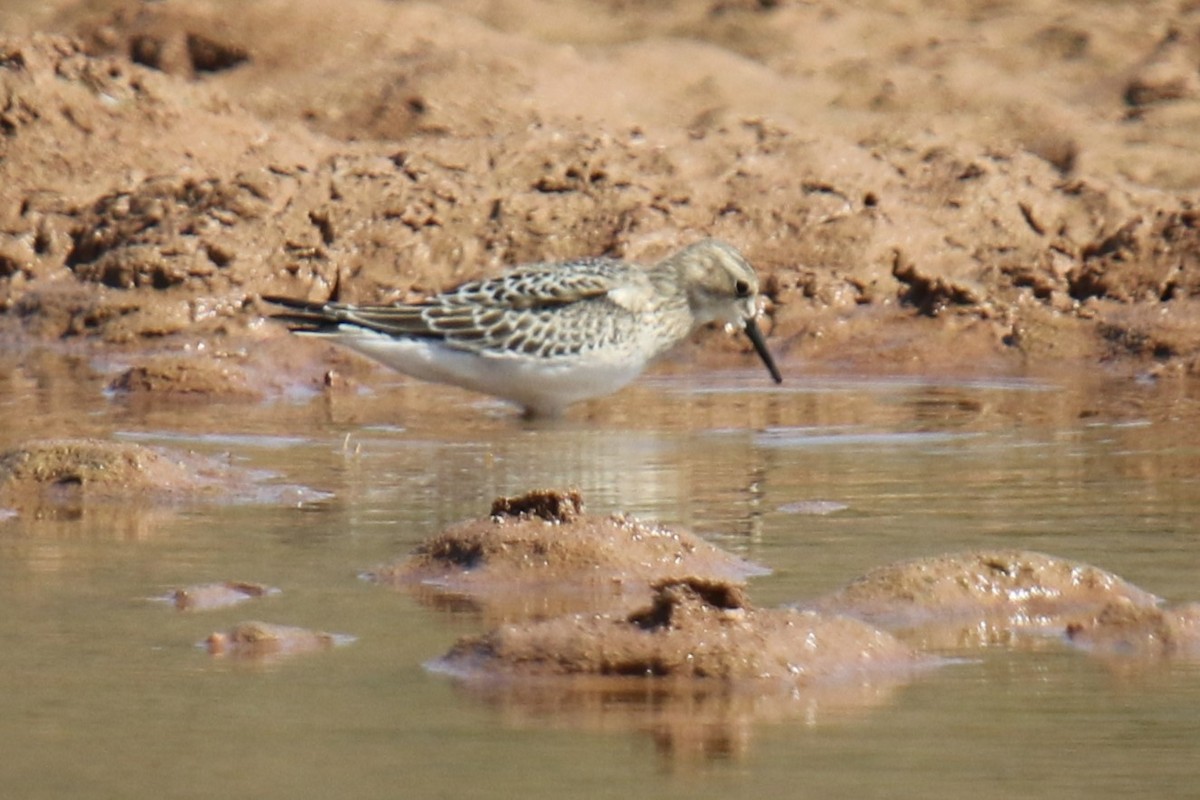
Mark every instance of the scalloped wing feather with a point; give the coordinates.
(515, 313)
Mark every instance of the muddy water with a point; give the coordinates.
(103, 692)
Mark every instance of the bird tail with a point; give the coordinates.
(303, 316)
(309, 316)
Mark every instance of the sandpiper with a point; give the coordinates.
(546, 335)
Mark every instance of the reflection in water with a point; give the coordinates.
(70, 520)
(98, 682)
(688, 721)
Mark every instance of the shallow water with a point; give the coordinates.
(103, 692)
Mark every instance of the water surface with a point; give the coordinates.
(103, 692)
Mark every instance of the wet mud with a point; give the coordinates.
(977, 188)
(981, 598)
(173, 379)
(74, 470)
(876, 633)
(696, 670)
(78, 474)
(539, 554)
(692, 629)
(1126, 631)
(212, 596)
(267, 641)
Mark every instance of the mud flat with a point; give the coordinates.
(976, 189)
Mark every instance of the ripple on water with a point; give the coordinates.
(259, 441)
(848, 436)
(813, 507)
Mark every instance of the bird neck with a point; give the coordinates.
(669, 290)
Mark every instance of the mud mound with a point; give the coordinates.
(982, 597)
(1124, 629)
(539, 554)
(69, 473)
(693, 629)
(264, 640)
(210, 596)
(95, 466)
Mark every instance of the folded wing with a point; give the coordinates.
(513, 313)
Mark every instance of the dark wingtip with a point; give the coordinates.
(293, 302)
(760, 347)
(308, 316)
(302, 316)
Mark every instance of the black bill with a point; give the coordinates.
(760, 347)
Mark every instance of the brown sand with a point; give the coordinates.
(966, 187)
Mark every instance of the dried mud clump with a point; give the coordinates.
(1124, 629)
(958, 598)
(254, 640)
(549, 504)
(540, 548)
(692, 629)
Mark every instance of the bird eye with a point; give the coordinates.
(742, 288)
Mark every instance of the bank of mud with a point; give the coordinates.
(961, 190)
